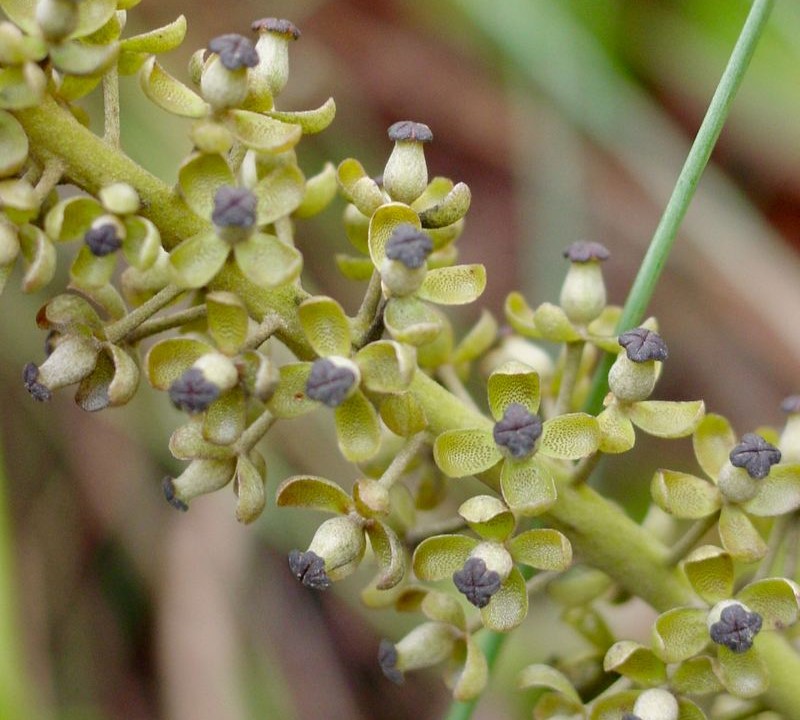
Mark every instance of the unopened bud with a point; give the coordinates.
(426, 645)
(656, 704)
(70, 362)
(341, 543)
(274, 36)
(202, 476)
(405, 175)
(119, 198)
(583, 294)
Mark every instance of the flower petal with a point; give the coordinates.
(170, 94)
(200, 176)
(713, 441)
(197, 259)
(743, 674)
(457, 285)
(684, 495)
(390, 554)
(541, 548)
(508, 606)
(311, 491)
(616, 431)
(386, 366)
(326, 326)
(528, 487)
(778, 494)
(279, 193)
(266, 261)
(571, 436)
(738, 535)
(357, 428)
(667, 419)
(411, 321)
(709, 570)
(261, 133)
(385, 220)
(513, 382)
(680, 633)
(168, 359)
(438, 557)
(465, 452)
(775, 599)
(225, 420)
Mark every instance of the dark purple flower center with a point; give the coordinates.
(329, 383)
(192, 392)
(409, 246)
(309, 569)
(477, 582)
(642, 345)
(103, 239)
(234, 207)
(518, 430)
(235, 51)
(755, 455)
(584, 251)
(736, 628)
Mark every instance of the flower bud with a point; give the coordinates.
(583, 294)
(789, 442)
(732, 624)
(224, 80)
(202, 476)
(211, 375)
(405, 176)
(272, 73)
(517, 431)
(425, 646)
(71, 361)
(341, 543)
(119, 198)
(332, 380)
(634, 373)
(656, 704)
(105, 235)
(56, 18)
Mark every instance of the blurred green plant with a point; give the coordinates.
(214, 261)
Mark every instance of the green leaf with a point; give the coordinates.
(357, 428)
(90, 271)
(386, 366)
(541, 548)
(200, 176)
(472, 679)
(616, 430)
(709, 570)
(266, 261)
(70, 219)
(457, 285)
(465, 452)
(695, 676)
(680, 633)
(513, 382)
(77, 58)
(40, 257)
(684, 495)
(279, 193)
(403, 414)
(667, 419)
(354, 268)
(13, 145)
(508, 606)
(261, 133)
(142, 244)
(571, 436)
(528, 486)
(775, 599)
(778, 494)
(553, 324)
(743, 674)
(444, 608)
(738, 535)
(318, 193)
(488, 517)
(160, 40)
(196, 260)
(168, 359)
(250, 490)
(326, 326)
(390, 554)
(449, 209)
(289, 399)
(411, 321)
(438, 557)
(224, 421)
(310, 121)
(170, 94)
(636, 662)
(520, 315)
(478, 340)
(227, 321)
(311, 491)
(360, 189)
(385, 220)
(713, 441)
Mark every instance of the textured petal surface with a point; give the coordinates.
(508, 606)
(357, 428)
(513, 382)
(570, 436)
(311, 491)
(326, 326)
(528, 487)
(465, 452)
(438, 557)
(684, 495)
(713, 441)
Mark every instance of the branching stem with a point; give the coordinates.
(690, 538)
(154, 326)
(400, 462)
(111, 131)
(254, 432)
(118, 330)
(447, 374)
(569, 375)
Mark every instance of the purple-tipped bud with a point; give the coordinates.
(103, 239)
(168, 486)
(309, 569)
(30, 376)
(329, 383)
(387, 659)
(410, 131)
(235, 51)
(477, 582)
(286, 28)
(409, 246)
(736, 628)
(755, 455)
(518, 430)
(584, 251)
(234, 207)
(642, 345)
(192, 392)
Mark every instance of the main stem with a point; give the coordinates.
(685, 187)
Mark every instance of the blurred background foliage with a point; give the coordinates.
(568, 119)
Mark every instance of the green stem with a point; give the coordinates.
(364, 321)
(118, 330)
(685, 187)
(266, 329)
(167, 322)
(406, 454)
(111, 132)
(447, 374)
(254, 432)
(690, 538)
(449, 525)
(776, 539)
(569, 375)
